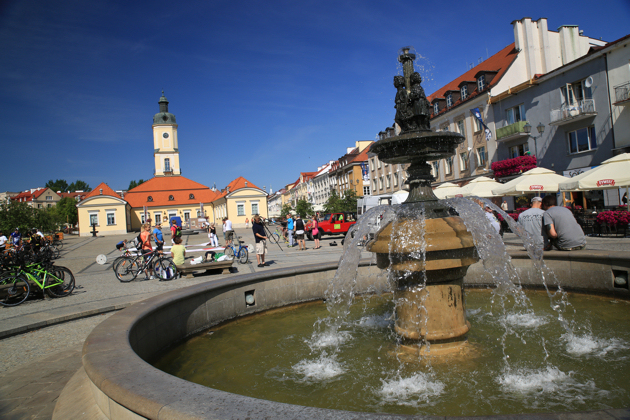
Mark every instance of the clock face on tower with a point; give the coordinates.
(165, 135)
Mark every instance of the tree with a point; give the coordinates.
(304, 208)
(16, 214)
(79, 185)
(349, 202)
(46, 219)
(58, 185)
(286, 209)
(133, 184)
(67, 210)
(334, 203)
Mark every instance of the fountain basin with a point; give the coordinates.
(124, 385)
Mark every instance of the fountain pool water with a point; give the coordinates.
(275, 356)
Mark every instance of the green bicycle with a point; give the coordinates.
(55, 281)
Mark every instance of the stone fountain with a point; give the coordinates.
(428, 267)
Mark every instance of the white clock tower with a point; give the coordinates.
(165, 147)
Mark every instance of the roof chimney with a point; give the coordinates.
(101, 191)
(246, 183)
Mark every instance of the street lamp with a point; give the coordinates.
(527, 128)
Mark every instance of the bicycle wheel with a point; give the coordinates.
(275, 237)
(55, 252)
(127, 269)
(59, 282)
(58, 244)
(165, 269)
(13, 289)
(243, 256)
(229, 252)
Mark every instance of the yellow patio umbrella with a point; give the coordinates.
(443, 189)
(478, 187)
(612, 173)
(535, 180)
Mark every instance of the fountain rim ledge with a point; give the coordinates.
(133, 386)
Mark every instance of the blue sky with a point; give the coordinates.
(262, 90)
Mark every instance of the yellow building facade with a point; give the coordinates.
(104, 208)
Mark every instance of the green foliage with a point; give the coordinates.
(67, 210)
(349, 201)
(79, 185)
(16, 214)
(334, 203)
(58, 185)
(47, 219)
(304, 208)
(134, 184)
(286, 209)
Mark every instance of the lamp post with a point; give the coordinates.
(541, 129)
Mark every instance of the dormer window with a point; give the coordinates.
(449, 101)
(464, 91)
(436, 108)
(171, 198)
(149, 199)
(481, 82)
(191, 196)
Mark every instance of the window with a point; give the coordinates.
(142, 218)
(366, 190)
(582, 140)
(111, 219)
(378, 162)
(449, 100)
(167, 165)
(254, 208)
(388, 181)
(572, 93)
(187, 216)
(372, 164)
(39, 206)
(49, 198)
(463, 161)
(149, 198)
(380, 183)
(240, 209)
(395, 180)
(482, 156)
(481, 82)
(519, 150)
(198, 213)
(448, 168)
(171, 198)
(436, 108)
(460, 127)
(49, 205)
(514, 115)
(94, 219)
(374, 185)
(477, 124)
(191, 196)
(157, 217)
(464, 92)
(435, 170)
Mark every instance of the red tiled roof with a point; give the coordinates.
(37, 193)
(106, 191)
(23, 196)
(499, 63)
(75, 194)
(237, 184)
(161, 188)
(363, 156)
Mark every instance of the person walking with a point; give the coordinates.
(532, 221)
(299, 232)
(290, 229)
(173, 231)
(315, 232)
(212, 235)
(261, 240)
(564, 231)
(247, 223)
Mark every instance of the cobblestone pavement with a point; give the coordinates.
(37, 364)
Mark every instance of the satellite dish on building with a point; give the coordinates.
(589, 82)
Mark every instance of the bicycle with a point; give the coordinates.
(55, 281)
(128, 268)
(242, 254)
(277, 234)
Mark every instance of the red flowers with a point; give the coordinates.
(614, 218)
(513, 166)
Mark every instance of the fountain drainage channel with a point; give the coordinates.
(426, 253)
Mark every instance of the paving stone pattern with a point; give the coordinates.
(41, 340)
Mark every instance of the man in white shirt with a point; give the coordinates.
(3, 241)
(229, 232)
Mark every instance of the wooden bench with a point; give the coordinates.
(189, 269)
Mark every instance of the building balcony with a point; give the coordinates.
(570, 113)
(622, 94)
(512, 131)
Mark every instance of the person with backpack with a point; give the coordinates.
(159, 239)
(176, 231)
(299, 232)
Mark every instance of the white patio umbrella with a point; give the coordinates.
(533, 181)
(443, 189)
(612, 173)
(479, 187)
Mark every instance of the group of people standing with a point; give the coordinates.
(294, 230)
